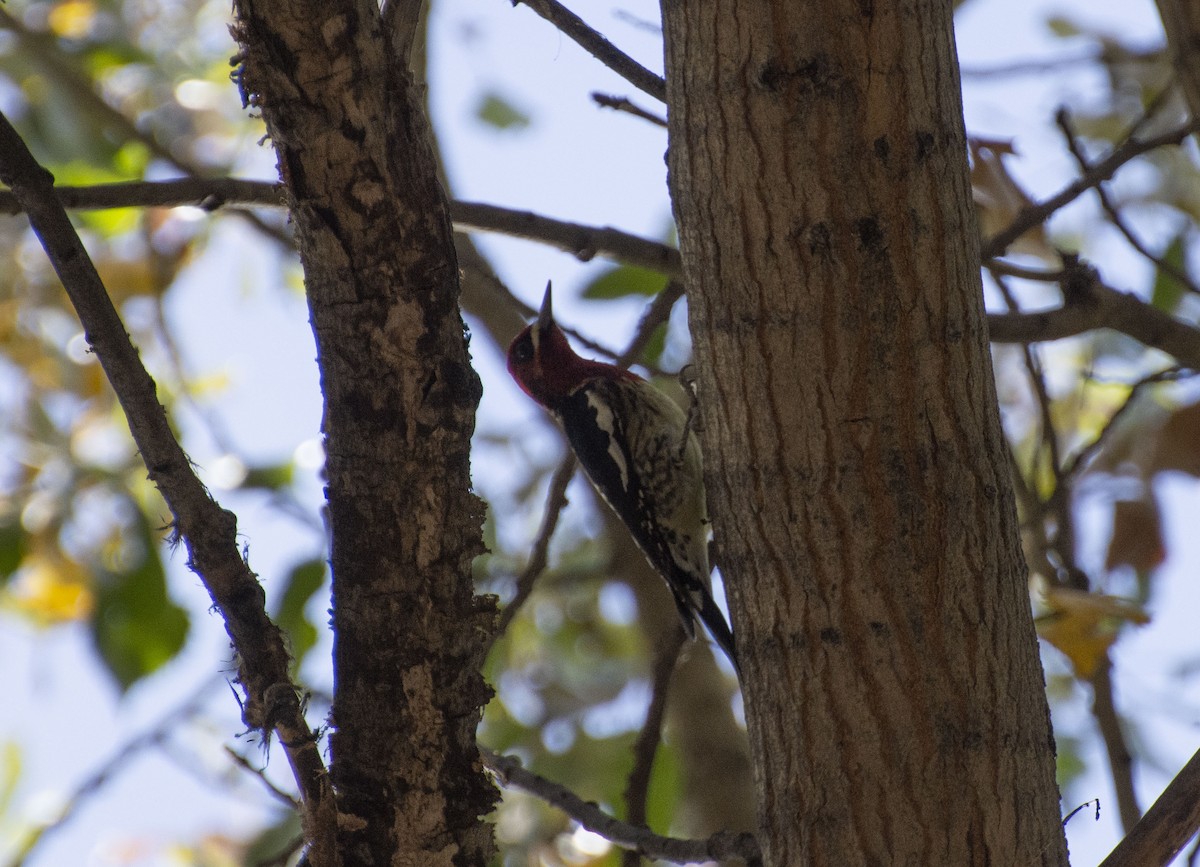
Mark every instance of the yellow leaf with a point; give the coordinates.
(51, 589)
(1084, 625)
(72, 19)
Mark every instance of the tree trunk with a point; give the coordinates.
(382, 285)
(857, 477)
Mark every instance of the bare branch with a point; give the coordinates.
(645, 748)
(154, 736)
(1101, 171)
(1062, 118)
(207, 193)
(584, 242)
(556, 501)
(1120, 761)
(600, 48)
(719, 846)
(1084, 457)
(208, 531)
(1167, 826)
(620, 103)
(1102, 307)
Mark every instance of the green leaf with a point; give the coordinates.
(496, 111)
(12, 549)
(1063, 27)
(271, 477)
(303, 581)
(625, 280)
(1168, 291)
(652, 354)
(137, 628)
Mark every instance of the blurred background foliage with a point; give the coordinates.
(109, 90)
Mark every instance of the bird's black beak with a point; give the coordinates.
(546, 314)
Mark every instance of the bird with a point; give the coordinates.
(639, 451)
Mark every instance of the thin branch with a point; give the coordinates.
(657, 312)
(1084, 457)
(1120, 761)
(206, 193)
(723, 845)
(43, 49)
(584, 242)
(1063, 119)
(1034, 215)
(208, 531)
(1102, 307)
(260, 773)
(154, 736)
(621, 103)
(556, 501)
(600, 48)
(645, 748)
(1051, 64)
(1167, 826)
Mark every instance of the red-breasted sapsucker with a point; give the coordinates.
(637, 447)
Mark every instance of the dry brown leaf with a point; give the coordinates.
(1137, 536)
(1178, 443)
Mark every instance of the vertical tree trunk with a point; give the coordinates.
(400, 394)
(856, 472)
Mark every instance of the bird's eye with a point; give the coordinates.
(523, 351)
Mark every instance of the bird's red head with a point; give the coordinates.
(546, 367)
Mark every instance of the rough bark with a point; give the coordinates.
(382, 283)
(856, 472)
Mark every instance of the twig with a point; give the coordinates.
(244, 763)
(1050, 64)
(1034, 215)
(1062, 118)
(118, 761)
(1120, 762)
(1167, 826)
(44, 50)
(556, 501)
(206, 193)
(584, 242)
(600, 48)
(657, 312)
(621, 103)
(208, 531)
(723, 845)
(645, 748)
(1084, 457)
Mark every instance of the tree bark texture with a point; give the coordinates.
(400, 398)
(856, 471)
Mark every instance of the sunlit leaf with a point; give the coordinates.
(1084, 625)
(50, 588)
(137, 627)
(72, 18)
(302, 582)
